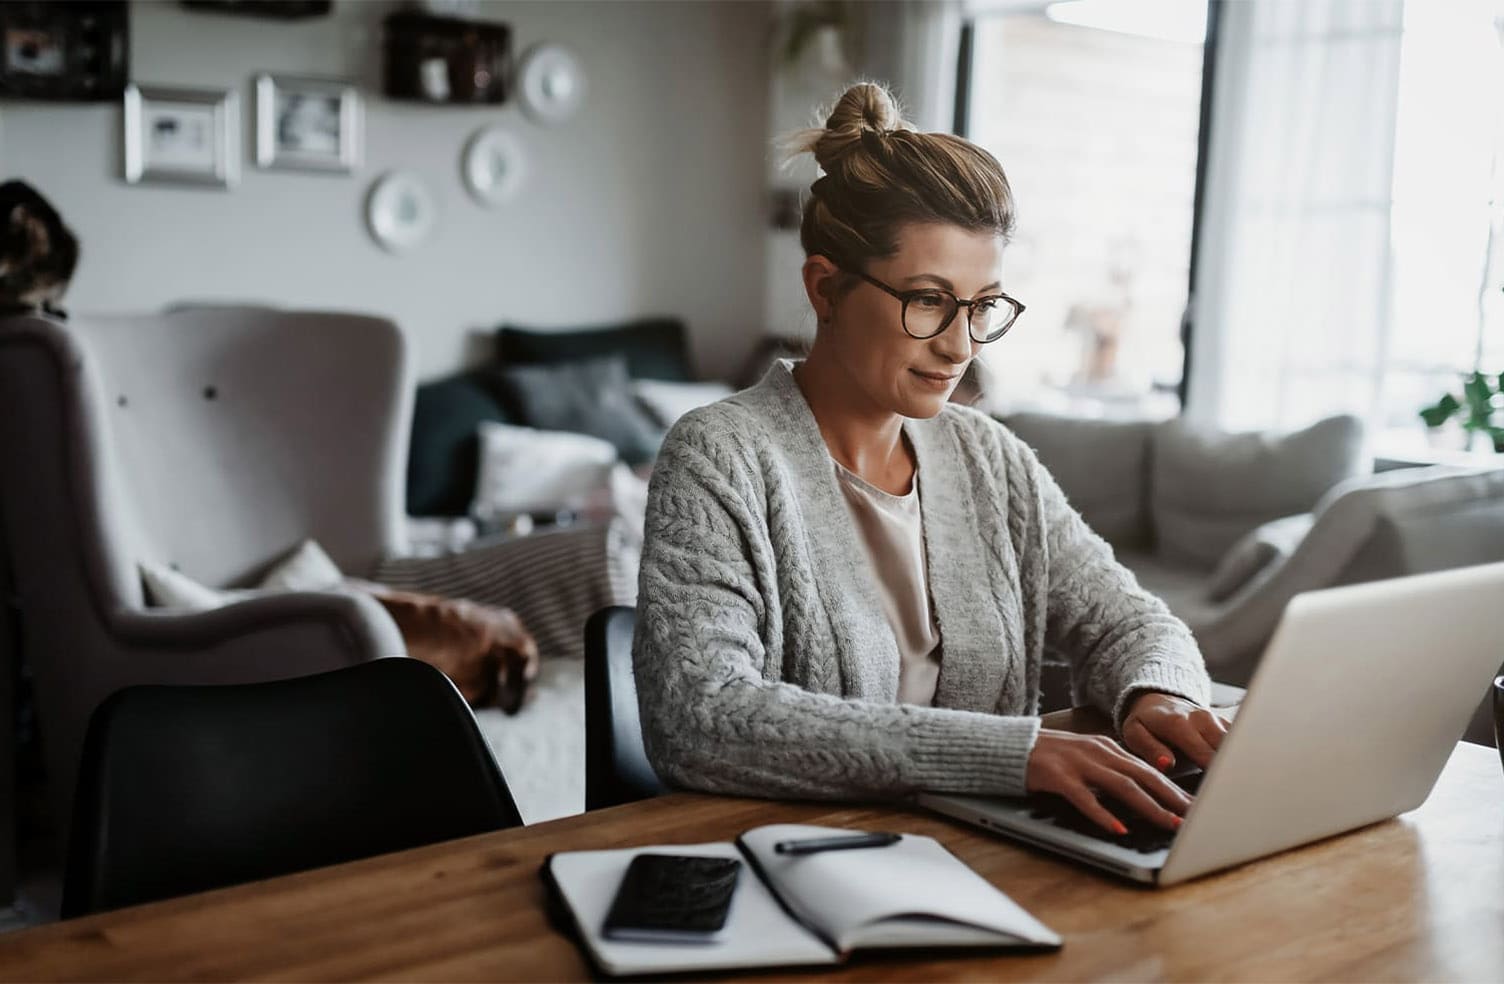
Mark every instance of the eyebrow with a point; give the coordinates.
(995, 285)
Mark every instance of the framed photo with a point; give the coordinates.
(185, 136)
(76, 51)
(307, 124)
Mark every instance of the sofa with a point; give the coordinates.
(1227, 528)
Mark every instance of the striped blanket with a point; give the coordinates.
(554, 580)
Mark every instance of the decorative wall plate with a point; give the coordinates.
(550, 83)
(493, 165)
(400, 210)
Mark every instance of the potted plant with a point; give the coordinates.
(1482, 397)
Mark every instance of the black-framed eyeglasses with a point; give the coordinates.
(928, 311)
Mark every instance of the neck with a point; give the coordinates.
(863, 436)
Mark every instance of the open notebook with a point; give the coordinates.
(804, 910)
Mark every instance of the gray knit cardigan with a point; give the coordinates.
(765, 665)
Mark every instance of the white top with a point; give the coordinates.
(893, 537)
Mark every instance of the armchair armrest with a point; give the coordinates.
(261, 638)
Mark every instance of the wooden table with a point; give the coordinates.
(1420, 897)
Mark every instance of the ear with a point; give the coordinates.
(820, 280)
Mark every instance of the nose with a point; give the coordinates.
(954, 344)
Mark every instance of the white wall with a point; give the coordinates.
(649, 201)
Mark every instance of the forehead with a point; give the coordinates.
(958, 254)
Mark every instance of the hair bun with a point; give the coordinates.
(866, 107)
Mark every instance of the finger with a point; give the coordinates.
(1120, 761)
(1134, 797)
(1085, 800)
(1147, 747)
(1171, 795)
(1210, 727)
(1187, 738)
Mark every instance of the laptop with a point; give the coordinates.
(1356, 705)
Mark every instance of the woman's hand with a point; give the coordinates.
(1158, 725)
(1079, 766)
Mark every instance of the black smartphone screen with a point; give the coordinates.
(672, 898)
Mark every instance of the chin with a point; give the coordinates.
(922, 407)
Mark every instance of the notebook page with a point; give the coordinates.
(849, 894)
(758, 932)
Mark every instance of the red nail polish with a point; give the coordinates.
(1164, 762)
(1118, 828)
(1177, 821)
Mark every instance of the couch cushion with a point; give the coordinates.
(1255, 551)
(1414, 520)
(655, 348)
(444, 452)
(523, 470)
(587, 396)
(1101, 465)
(1207, 488)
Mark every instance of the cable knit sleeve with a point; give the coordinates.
(714, 720)
(1120, 639)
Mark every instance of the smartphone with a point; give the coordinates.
(672, 898)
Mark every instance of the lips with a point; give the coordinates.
(938, 377)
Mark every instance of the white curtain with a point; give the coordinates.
(913, 45)
(1291, 305)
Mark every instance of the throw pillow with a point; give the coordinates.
(443, 451)
(588, 396)
(306, 568)
(524, 470)
(167, 588)
(1257, 551)
(1208, 488)
(654, 348)
(667, 402)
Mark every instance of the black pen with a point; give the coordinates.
(843, 843)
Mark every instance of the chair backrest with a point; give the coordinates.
(616, 764)
(212, 439)
(236, 432)
(184, 789)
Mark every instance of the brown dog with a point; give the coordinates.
(486, 651)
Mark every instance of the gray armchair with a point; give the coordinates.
(1179, 508)
(212, 440)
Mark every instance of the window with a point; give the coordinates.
(1446, 233)
(1093, 109)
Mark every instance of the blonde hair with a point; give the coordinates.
(880, 174)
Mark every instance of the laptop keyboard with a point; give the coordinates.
(1143, 835)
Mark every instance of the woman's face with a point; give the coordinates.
(863, 326)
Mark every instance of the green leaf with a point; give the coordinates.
(1443, 411)
(1478, 396)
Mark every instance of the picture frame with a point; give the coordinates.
(69, 52)
(182, 136)
(308, 124)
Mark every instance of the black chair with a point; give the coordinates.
(188, 788)
(616, 765)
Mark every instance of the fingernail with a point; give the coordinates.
(1177, 821)
(1118, 828)
(1164, 762)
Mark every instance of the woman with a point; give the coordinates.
(848, 582)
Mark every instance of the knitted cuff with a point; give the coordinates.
(1171, 676)
(968, 752)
